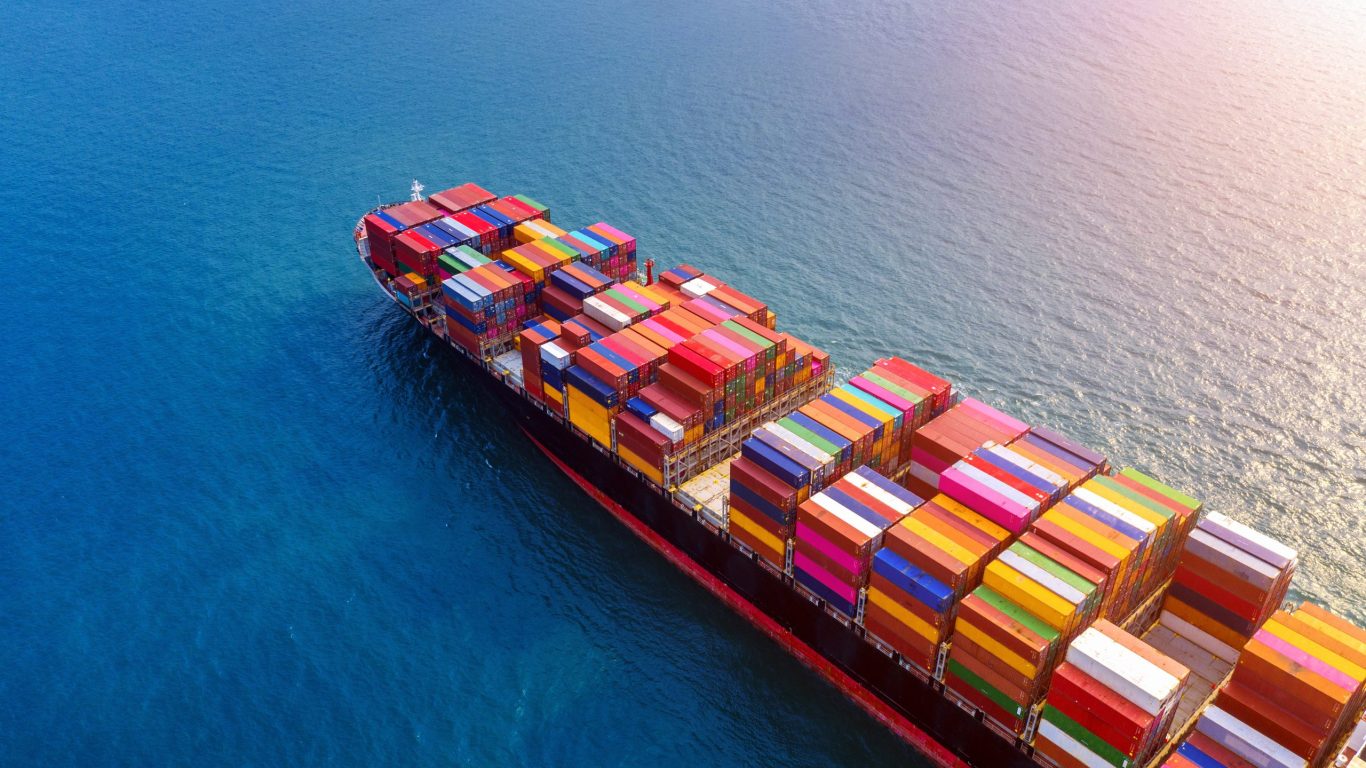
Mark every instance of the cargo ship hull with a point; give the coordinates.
(915, 708)
(909, 702)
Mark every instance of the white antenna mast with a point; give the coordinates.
(416, 195)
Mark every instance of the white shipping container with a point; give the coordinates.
(1198, 636)
(999, 487)
(555, 356)
(1249, 540)
(667, 427)
(805, 447)
(848, 517)
(1245, 741)
(924, 474)
(1052, 583)
(1044, 473)
(1244, 565)
(1122, 671)
(696, 288)
(861, 483)
(1070, 745)
(1129, 518)
(608, 316)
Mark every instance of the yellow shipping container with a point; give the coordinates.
(526, 233)
(971, 518)
(552, 394)
(1014, 660)
(933, 535)
(1326, 655)
(1030, 595)
(644, 466)
(524, 265)
(589, 416)
(776, 549)
(909, 620)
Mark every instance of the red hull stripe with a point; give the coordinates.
(904, 728)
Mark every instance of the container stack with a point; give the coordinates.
(531, 231)
(1073, 462)
(1299, 684)
(569, 286)
(600, 253)
(1229, 578)
(763, 509)
(1135, 532)
(537, 263)
(1008, 631)
(774, 473)
(556, 357)
(620, 306)
(645, 436)
(458, 260)
(837, 531)
(1185, 509)
(484, 304)
(600, 246)
(694, 284)
(382, 228)
(1004, 485)
(410, 289)
(591, 403)
(1111, 701)
(938, 445)
(542, 212)
(461, 198)
(909, 391)
(535, 335)
(927, 563)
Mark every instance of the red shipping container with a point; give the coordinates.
(1100, 710)
(928, 558)
(459, 198)
(778, 530)
(380, 234)
(1281, 725)
(763, 484)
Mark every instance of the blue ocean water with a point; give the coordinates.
(252, 517)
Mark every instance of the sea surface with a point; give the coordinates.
(250, 516)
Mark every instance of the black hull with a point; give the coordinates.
(910, 703)
(919, 701)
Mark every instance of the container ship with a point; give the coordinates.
(993, 591)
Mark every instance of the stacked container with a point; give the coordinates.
(569, 286)
(1131, 527)
(1111, 701)
(383, 227)
(1008, 631)
(645, 436)
(533, 337)
(961, 429)
(1185, 509)
(458, 260)
(927, 563)
(484, 304)
(906, 390)
(536, 262)
(1004, 485)
(591, 403)
(1229, 578)
(777, 469)
(461, 198)
(765, 490)
(837, 531)
(1298, 683)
